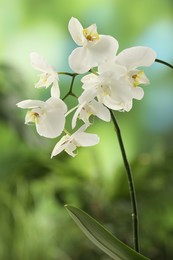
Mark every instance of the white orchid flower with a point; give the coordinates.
(131, 59)
(94, 48)
(118, 80)
(110, 88)
(48, 76)
(85, 110)
(49, 116)
(69, 143)
(89, 106)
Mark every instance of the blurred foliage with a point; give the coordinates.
(34, 188)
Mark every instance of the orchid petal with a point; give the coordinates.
(111, 70)
(105, 49)
(86, 139)
(76, 31)
(51, 124)
(55, 91)
(138, 93)
(60, 146)
(89, 79)
(127, 106)
(112, 104)
(56, 103)
(38, 62)
(79, 60)
(80, 130)
(70, 148)
(100, 111)
(87, 95)
(136, 56)
(30, 104)
(76, 114)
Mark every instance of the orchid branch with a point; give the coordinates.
(70, 92)
(67, 73)
(130, 183)
(164, 63)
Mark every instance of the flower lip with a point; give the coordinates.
(32, 117)
(91, 33)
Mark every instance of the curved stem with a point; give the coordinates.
(130, 183)
(164, 63)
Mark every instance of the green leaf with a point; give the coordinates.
(102, 237)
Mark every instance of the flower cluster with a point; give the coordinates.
(111, 83)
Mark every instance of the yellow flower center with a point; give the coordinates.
(91, 33)
(32, 116)
(106, 90)
(136, 78)
(44, 78)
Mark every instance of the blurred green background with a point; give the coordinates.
(33, 188)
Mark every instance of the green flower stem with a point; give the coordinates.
(70, 92)
(164, 63)
(67, 73)
(130, 183)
